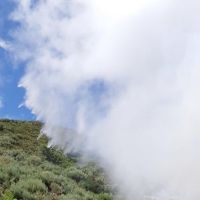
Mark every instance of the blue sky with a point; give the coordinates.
(11, 95)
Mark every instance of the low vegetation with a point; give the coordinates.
(31, 171)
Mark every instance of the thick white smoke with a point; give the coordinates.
(125, 75)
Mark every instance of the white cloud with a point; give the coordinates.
(4, 44)
(149, 62)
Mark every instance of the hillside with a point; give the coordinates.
(31, 171)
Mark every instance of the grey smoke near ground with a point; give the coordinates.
(125, 75)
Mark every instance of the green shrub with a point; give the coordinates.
(76, 175)
(47, 166)
(9, 173)
(14, 153)
(70, 197)
(31, 171)
(6, 141)
(55, 188)
(34, 160)
(25, 189)
(56, 157)
(48, 177)
(105, 196)
(96, 186)
(8, 196)
(1, 127)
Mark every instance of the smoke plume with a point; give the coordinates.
(125, 76)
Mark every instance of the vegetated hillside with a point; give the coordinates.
(29, 170)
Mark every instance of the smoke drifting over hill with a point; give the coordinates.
(125, 75)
